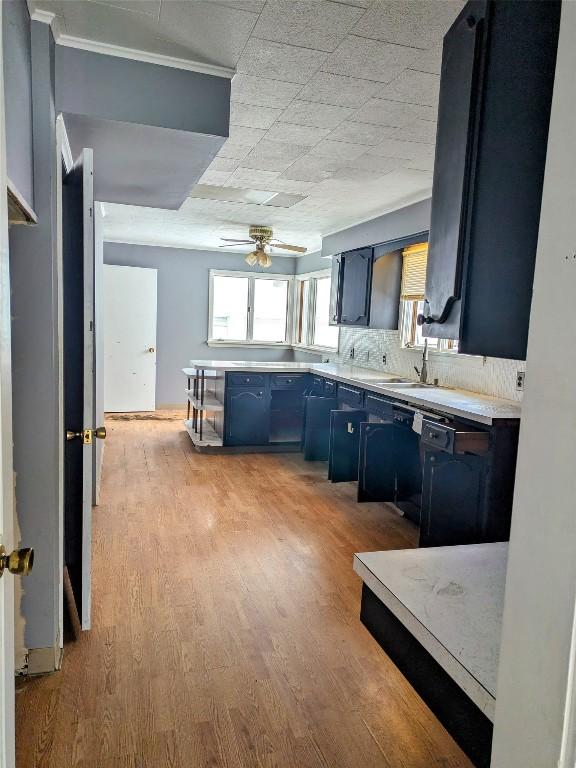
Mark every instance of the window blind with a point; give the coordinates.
(414, 262)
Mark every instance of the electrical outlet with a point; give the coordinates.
(351, 353)
(520, 380)
(383, 359)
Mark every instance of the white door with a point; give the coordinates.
(7, 759)
(129, 339)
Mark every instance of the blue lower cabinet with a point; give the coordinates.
(316, 432)
(247, 420)
(376, 463)
(454, 499)
(344, 444)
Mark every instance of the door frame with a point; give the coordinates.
(7, 693)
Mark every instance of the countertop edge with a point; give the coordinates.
(449, 663)
(403, 396)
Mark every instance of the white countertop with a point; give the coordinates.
(451, 599)
(457, 402)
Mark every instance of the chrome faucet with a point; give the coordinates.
(423, 371)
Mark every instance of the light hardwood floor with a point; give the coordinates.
(226, 629)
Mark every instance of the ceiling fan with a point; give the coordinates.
(262, 238)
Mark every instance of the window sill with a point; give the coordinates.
(253, 344)
(315, 350)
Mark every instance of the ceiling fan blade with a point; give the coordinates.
(230, 240)
(233, 245)
(296, 248)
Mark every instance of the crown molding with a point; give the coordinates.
(108, 49)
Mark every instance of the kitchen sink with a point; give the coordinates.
(403, 384)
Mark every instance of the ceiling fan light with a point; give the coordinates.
(252, 258)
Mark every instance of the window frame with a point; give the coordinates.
(407, 330)
(252, 277)
(310, 310)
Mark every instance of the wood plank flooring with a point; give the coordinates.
(226, 630)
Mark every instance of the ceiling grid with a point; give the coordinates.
(333, 105)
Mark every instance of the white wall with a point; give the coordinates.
(541, 580)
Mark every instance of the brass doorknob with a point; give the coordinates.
(151, 349)
(19, 561)
(87, 434)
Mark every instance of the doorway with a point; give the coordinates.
(130, 308)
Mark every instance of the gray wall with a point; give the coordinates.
(182, 325)
(18, 95)
(312, 262)
(112, 88)
(405, 221)
(35, 366)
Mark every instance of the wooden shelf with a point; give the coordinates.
(210, 403)
(210, 439)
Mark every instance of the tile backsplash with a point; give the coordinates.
(487, 375)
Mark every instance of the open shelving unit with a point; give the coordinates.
(201, 405)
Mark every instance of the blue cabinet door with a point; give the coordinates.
(316, 433)
(453, 499)
(247, 416)
(344, 444)
(356, 287)
(376, 464)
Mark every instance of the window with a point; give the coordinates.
(249, 309)
(412, 300)
(313, 312)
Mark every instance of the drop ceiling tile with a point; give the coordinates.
(369, 162)
(429, 61)
(252, 178)
(273, 156)
(392, 113)
(312, 168)
(421, 130)
(421, 163)
(415, 23)
(369, 59)
(234, 151)
(406, 150)
(117, 26)
(223, 164)
(263, 92)
(212, 32)
(343, 150)
(361, 133)
(149, 7)
(413, 87)
(327, 88)
(280, 62)
(314, 114)
(248, 116)
(215, 178)
(307, 23)
(284, 200)
(353, 176)
(255, 6)
(247, 136)
(296, 134)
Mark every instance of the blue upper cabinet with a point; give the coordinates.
(366, 288)
(495, 97)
